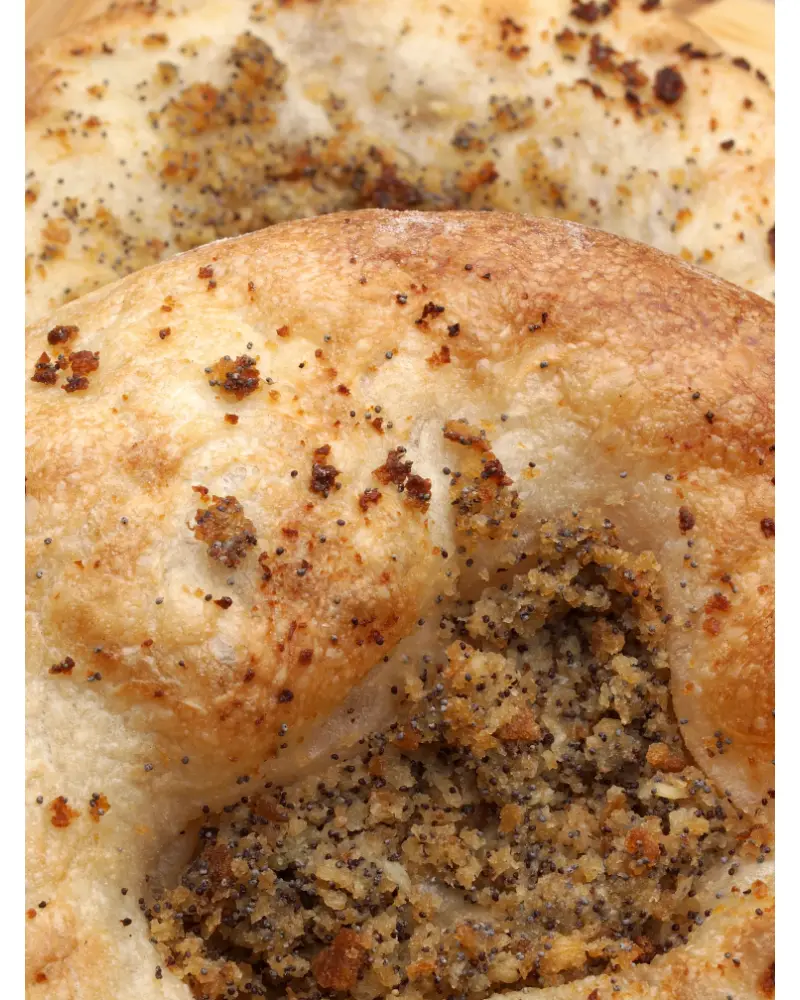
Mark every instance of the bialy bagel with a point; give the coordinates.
(400, 621)
(160, 127)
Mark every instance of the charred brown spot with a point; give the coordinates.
(323, 476)
(596, 89)
(686, 519)
(226, 531)
(394, 469)
(479, 490)
(84, 362)
(429, 309)
(206, 272)
(494, 470)
(305, 657)
(76, 383)
(62, 814)
(337, 966)
(768, 527)
(591, 11)
(669, 85)
(631, 75)
(771, 242)
(46, 372)
(509, 28)
(231, 418)
(98, 806)
(568, 39)
(418, 490)
(464, 434)
(224, 603)
(239, 377)
(601, 54)
(440, 357)
(690, 52)
(285, 696)
(65, 667)
(370, 496)
(718, 602)
(635, 102)
(61, 334)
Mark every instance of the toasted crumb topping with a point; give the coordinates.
(61, 335)
(76, 383)
(62, 814)
(529, 818)
(84, 362)
(398, 471)
(46, 372)
(323, 475)
(239, 377)
(224, 528)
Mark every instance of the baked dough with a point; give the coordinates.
(152, 130)
(181, 642)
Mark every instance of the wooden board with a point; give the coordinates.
(742, 27)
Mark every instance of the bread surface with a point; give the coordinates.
(166, 624)
(154, 129)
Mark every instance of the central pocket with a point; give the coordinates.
(529, 818)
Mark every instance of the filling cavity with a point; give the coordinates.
(530, 818)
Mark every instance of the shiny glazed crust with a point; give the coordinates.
(155, 129)
(637, 384)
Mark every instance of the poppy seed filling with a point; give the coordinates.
(530, 818)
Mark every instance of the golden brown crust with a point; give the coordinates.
(633, 382)
(155, 128)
